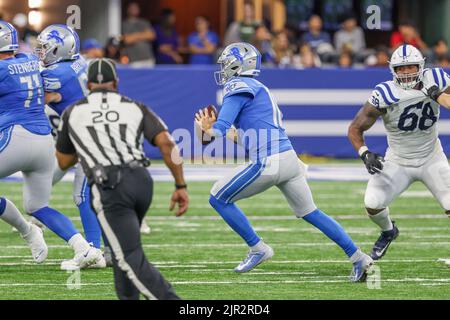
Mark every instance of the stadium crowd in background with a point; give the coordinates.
(144, 45)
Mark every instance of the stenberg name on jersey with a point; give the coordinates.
(26, 67)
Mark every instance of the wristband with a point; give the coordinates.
(180, 186)
(362, 150)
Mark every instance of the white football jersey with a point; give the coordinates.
(410, 118)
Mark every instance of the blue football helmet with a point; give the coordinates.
(57, 43)
(238, 59)
(8, 37)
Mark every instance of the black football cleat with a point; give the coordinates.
(380, 247)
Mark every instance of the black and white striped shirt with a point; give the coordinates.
(107, 129)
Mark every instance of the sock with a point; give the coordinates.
(236, 219)
(357, 256)
(260, 246)
(91, 227)
(382, 220)
(57, 222)
(332, 230)
(78, 243)
(11, 215)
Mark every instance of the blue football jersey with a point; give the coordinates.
(258, 119)
(69, 79)
(22, 94)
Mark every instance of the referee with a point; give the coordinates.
(105, 133)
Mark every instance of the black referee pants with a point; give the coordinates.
(120, 212)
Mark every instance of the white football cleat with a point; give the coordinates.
(254, 258)
(36, 242)
(145, 229)
(83, 260)
(100, 264)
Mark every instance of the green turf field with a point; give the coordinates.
(198, 253)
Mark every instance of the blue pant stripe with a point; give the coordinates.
(249, 174)
(5, 138)
(221, 191)
(250, 181)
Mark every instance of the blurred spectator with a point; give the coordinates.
(380, 59)
(407, 34)
(315, 36)
(350, 37)
(202, 43)
(345, 60)
(137, 36)
(92, 49)
(440, 52)
(443, 62)
(282, 49)
(243, 31)
(263, 42)
(113, 51)
(167, 39)
(27, 36)
(306, 58)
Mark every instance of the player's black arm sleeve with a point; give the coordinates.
(63, 143)
(363, 121)
(65, 150)
(152, 124)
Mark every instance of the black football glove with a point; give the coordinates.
(434, 93)
(373, 162)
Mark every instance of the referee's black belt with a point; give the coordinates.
(110, 176)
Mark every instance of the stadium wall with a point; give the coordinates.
(317, 104)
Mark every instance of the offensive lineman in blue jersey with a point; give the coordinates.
(27, 146)
(250, 108)
(65, 83)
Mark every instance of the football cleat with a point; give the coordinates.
(84, 260)
(253, 259)
(36, 242)
(384, 241)
(145, 229)
(100, 264)
(360, 268)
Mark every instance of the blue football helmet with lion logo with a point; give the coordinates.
(238, 59)
(57, 43)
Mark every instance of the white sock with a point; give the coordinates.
(382, 219)
(12, 216)
(356, 256)
(78, 243)
(260, 246)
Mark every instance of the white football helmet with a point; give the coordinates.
(238, 59)
(56, 43)
(8, 37)
(407, 55)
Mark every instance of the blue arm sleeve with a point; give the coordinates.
(231, 107)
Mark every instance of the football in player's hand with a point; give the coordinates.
(211, 112)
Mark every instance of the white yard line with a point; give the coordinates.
(420, 281)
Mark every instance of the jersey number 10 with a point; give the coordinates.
(409, 120)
